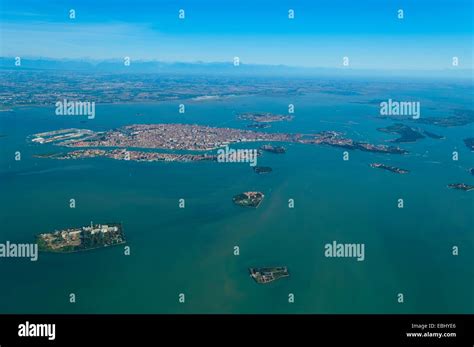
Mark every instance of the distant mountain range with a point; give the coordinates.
(215, 68)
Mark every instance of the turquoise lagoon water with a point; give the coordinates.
(191, 250)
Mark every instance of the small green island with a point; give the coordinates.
(469, 142)
(406, 133)
(82, 238)
(262, 169)
(264, 275)
(248, 199)
(461, 186)
(393, 169)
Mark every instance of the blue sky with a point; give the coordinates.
(257, 31)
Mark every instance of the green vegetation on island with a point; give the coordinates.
(389, 168)
(248, 199)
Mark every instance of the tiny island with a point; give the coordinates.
(82, 238)
(469, 142)
(264, 275)
(248, 199)
(124, 154)
(262, 169)
(265, 117)
(459, 117)
(273, 149)
(189, 137)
